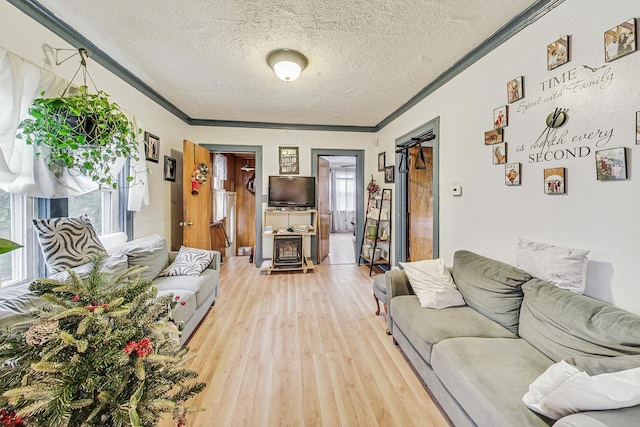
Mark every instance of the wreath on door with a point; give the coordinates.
(199, 177)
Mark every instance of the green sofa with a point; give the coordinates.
(478, 360)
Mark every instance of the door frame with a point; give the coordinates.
(402, 187)
(359, 155)
(257, 151)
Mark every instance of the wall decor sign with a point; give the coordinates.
(512, 174)
(558, 53)
(620, 40)
(554, 181)
(389, 173)
(499, 153)
(289, 161)
(493, 136)
(381, 161)
(152, 147)
(500, 117)
(611, 164)
(515, 89)
(170, 165)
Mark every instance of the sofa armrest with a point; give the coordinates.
(213, 265)
(625, 417)
(397, 284)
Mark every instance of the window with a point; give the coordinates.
(100, 206)
(16, 212)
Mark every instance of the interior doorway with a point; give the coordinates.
(417, 193)
(340, 203)
(340, 209)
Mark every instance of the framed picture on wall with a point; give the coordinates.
(558, 53)
(169, 168)
(620, 40)
(152, 147)
(554, 181)
(381, 161)
(499, 153)
(389, 173)
(611, 164)
(637, 127)
(515, 89)
(493, 136)
(500, 117)
(512, 174)
(289, 161)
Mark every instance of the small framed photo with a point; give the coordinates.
(620, 40)
(515, 89)
(558, 53)
(492, 136)
(512, 174)
(152, 147)
(637, 127)
(499, 153)
(554, 181)
(500, 117)
(169, 168)
(389, 173)
(381, 161)
(289, 161)
(611, 164)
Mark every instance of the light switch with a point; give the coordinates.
(456, 190)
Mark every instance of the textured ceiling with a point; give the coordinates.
(366, 57)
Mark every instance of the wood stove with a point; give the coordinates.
(287, 251)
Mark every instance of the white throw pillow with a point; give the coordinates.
(563, 389)
(189, 262)
(432, 283)
(564, 267)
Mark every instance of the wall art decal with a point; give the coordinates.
(500, 117)
(492, 136)
(499, 153)
(512, 174)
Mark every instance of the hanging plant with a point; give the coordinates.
(84, 132)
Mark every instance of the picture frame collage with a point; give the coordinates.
(610, 164)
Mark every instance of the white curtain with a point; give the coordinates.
(219, 194)
(20, 171)
(343, 199)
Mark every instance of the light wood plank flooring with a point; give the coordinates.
(294, 349)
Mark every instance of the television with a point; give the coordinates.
(292, 192)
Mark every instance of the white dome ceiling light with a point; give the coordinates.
(287, 63)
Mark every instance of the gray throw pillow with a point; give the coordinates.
(67, 242)
(152, 253)
(189, 262)
(603, 365)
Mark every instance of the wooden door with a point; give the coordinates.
(420, 218)
(197, 208)
(324, 212)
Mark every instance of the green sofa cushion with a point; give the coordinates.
(489, 377)
(562, 324)
(425, 327)
(491, 287)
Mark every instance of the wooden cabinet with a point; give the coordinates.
(376, 238)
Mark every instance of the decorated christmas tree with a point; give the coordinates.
(104, 352)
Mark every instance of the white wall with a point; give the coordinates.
(596, 215)
(26, 38)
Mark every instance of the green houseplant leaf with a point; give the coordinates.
(85, 133)
(8, 246)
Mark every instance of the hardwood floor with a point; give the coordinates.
(341, 249)
(294, 349)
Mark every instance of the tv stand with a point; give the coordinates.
(296, 223)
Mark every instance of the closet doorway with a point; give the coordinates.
(340, 205)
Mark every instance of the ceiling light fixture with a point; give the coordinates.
(287, 63)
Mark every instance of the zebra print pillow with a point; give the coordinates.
(189, 262)
(67, 242)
